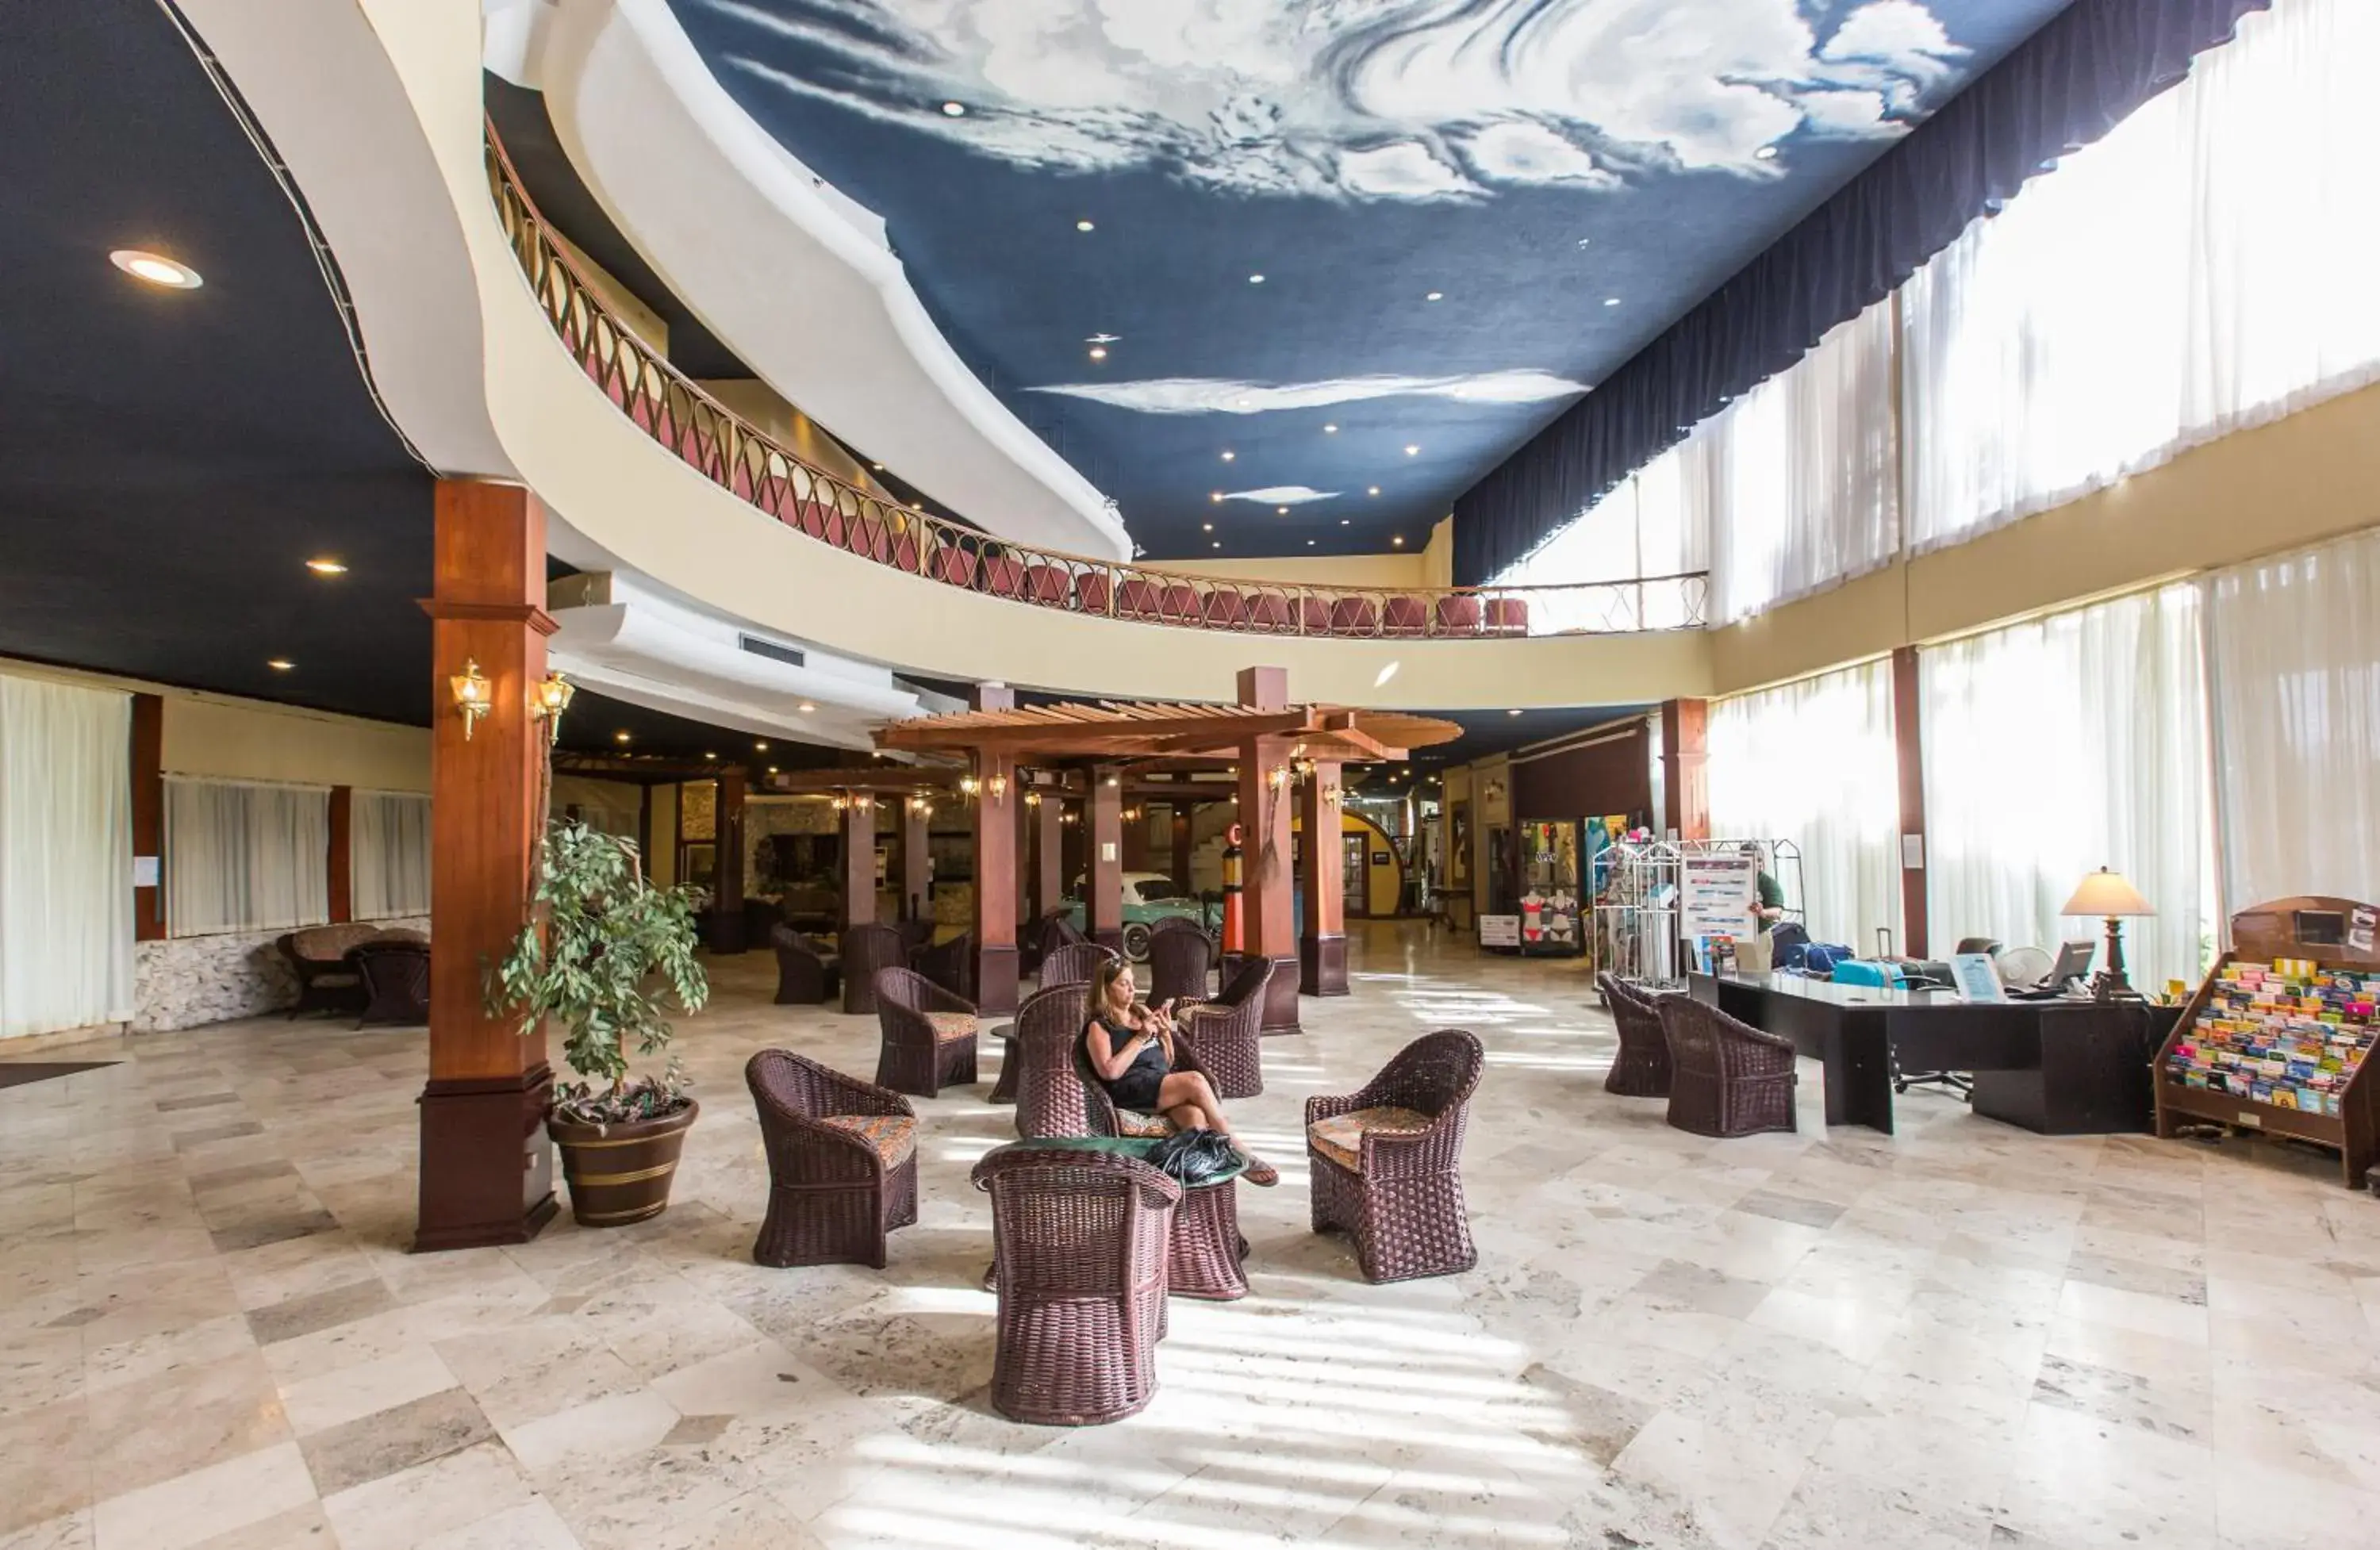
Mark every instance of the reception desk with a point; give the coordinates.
(2060, 1068)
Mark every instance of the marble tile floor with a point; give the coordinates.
(212, 1335)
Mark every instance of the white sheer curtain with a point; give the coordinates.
(66, 857)
(2069, 742)
(246, 857)
(2207, 266)
(2294, 648)
(1656, 524)
(388, 849)
(1806, 474)
(1813, 762)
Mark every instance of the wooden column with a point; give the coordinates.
(859, 861)
(1103, 858)
(343, 854)
(149, 812)
(1685, 767)
(1049, 853)
(1265, 893)
(1135, 838)
(1181, 812)
(487, 1170)
(995, 864)
(1322, 948)
(1909, 744)
(727, 889)
(916, 878)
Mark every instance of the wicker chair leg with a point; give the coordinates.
(841, 1224)
(1412, 1228)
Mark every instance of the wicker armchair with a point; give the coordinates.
(951, 965)
(1180, 956)
(1079, 1250)
(1056, 1092)
(1386, 1161)
(929, 1035)
(866, 950)
(1727, 1078)
(395, 977)
(805, 977)
(843, 1163)
(327, 979)
(1074, 962)
(1047, 931)
(1227, 1032)
(1640, 1069)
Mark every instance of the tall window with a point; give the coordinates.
(66, 857)
(1656, 524)
(388, 843)
(246, 857)
(2063, 744)
(2293, 646)
(2205, 267)
(1813, 762)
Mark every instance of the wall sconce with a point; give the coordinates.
(863, 802)
(1302, 768)
(1109, 782)
(1278, 776)
(1032, 799)
(998, 787)
(1066, 817)
(970, 785)
(1331, 794)
(843, 804)
(472, 694)
(548, 698)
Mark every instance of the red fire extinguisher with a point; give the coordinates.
(1235, 927)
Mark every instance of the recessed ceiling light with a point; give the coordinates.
(1206, 527)
(1281, 511)
(808, 709)
(772, 769)
(1399, 540)
(1435, 296)
(1374, 490)
(1345, 521)
(1765, 154)
(155, 268)
(761, 747)
(1216, 497)
(1255, 279)
(1309, 543)
(326, 566)
(954, 110)
(1084, 225)
(1098, 352)
(1413, 452)
(710, 756)
(1611, 301)
(878, 467)
(1229, 455)
(1511, 712)
(281, 664)
(1331, 430)
(619, 737)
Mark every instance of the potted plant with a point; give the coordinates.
(603, 954)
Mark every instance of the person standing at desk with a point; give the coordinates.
(1768, 904)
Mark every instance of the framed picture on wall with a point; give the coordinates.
(1458, 844)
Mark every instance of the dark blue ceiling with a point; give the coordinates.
(1528, 160)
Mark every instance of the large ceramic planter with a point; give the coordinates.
(620, 1174)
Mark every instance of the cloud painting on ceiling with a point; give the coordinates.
(1316, 234)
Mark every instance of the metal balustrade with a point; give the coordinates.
(737, 456)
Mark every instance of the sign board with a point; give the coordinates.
(1499, 930)
(1715, 896)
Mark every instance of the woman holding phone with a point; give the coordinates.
(1131, 1050)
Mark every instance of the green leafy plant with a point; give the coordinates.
(608, 954)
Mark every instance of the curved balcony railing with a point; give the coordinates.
(739, 457)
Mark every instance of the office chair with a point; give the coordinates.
(1988, 945)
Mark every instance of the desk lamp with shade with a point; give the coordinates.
(2106, 893)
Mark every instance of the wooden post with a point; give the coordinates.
(1103, 858)
(917, 881)
(1266, 891)
(343, 854)
(149, 812)
(1685, 767)
(1135, 837)
(859, 861)
(487, 1168)
(1322, 948)
(995, 864)
(1908, 745)
(1181, 812)
(1049, 853)
(727, 892)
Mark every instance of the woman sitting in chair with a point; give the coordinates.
(1131, 1050)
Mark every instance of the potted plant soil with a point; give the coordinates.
(604, 955)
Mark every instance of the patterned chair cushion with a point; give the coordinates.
(950, 1025)
(895, 1136)
(1341, 1137)
(1143, 1127)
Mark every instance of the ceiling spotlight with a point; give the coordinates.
(772, 769)
(760, 747)
(619, 737)
(1309, 543)
(878, 467)
(1084, 225)
(1331, 430)
(1229, 455)
(1344, 522)
(1413, 452)
(1281, 511)
(1511, 712)
(1374, 490)
(1216, 497)
(954, 110)
(1611, 301)
(281, 664)
(1399, 540)
(1765, 154)
(1219, 543)
(808, 709)
(156, 269)
(1435, 296)
(1206, 527)
(326, 566)
(710, 756)
(1255, 279)
(1098, 352)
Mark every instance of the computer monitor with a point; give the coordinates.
(2073, 963)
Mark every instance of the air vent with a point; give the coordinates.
(790, 654)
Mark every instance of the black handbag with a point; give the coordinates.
(1195, 1157)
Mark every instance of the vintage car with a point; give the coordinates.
(1149, 897)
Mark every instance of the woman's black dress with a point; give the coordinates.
(1136, 1088)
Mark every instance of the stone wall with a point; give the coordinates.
(183, 982)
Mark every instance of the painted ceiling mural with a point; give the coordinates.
(1286, 277)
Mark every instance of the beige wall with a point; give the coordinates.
(2297, 481)
(247, 740)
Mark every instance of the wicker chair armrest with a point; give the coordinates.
(828, 1153)
(866, 1097)
(1326, 1105)
(1764, 1055)
(937, 998)
(1387, 1156)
